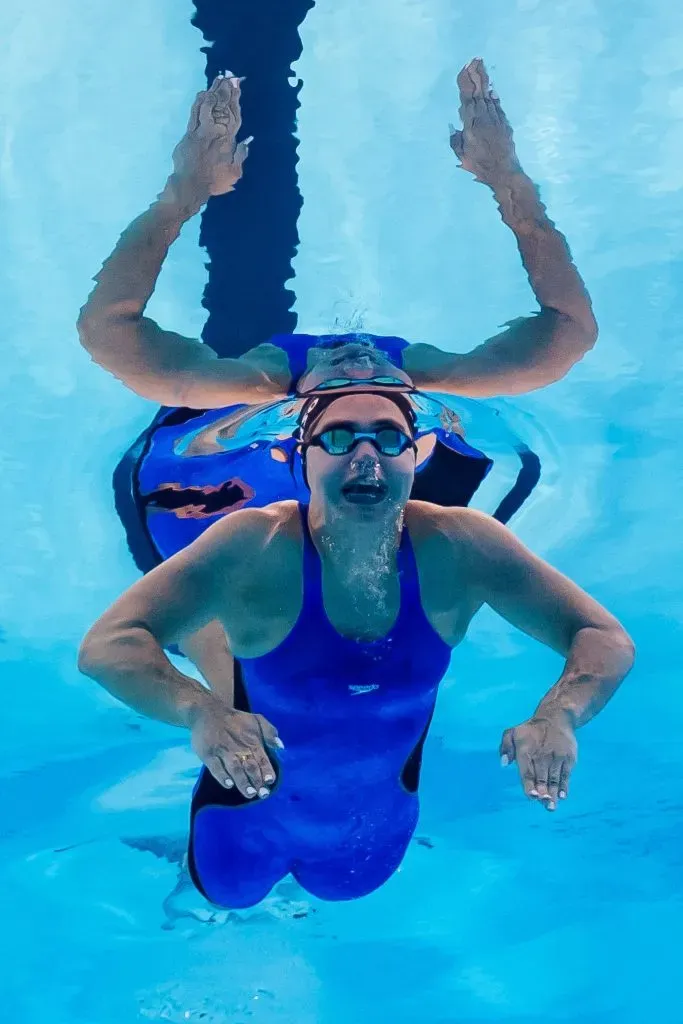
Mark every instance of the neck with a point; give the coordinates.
(349, 545)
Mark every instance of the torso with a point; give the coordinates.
(263, 597)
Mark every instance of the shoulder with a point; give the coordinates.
(249, 534)
(473, 538)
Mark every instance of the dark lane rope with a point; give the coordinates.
(251, 234)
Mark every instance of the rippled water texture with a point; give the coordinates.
(501, 912)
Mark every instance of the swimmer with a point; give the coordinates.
(164, 499)
(342, 614)
(178, 371)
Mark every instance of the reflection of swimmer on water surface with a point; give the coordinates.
(177, 371)
(164, 500)
(342, 614)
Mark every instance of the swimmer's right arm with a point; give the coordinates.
(124, 653)
(161, 365)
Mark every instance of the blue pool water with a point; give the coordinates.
(500, 912)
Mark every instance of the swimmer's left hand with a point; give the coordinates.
(545, 751)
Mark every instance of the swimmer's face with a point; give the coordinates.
(363, 481)
(354, 360)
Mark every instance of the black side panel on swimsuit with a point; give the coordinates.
(251, 234)
(449, 478)
(527, 478)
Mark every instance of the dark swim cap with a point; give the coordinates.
(314, 407)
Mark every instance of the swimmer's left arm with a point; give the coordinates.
(532, 351)
(546, 605)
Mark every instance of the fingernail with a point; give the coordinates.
(451, 128)
(269, 778)
(278, 743)
(263, 792)
(534, 792)
(551, 805)
(493, 94)
(505, 760)
(250, 791)
(248, 142)
(228, 783)
(563, 795)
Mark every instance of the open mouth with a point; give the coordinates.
(365, 493)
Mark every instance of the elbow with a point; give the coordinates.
(576, 334)
(92, 330)
(90, 654)
(628, 649)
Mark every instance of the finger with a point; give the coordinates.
(193, 122)
(527, 775)
(242, 151)
(245, 768)
(507, 748)
(269, 733)
(554, 780)
(267, 773)
(457, 143)
(235, 771)
(206, 111)
(465, 83)
(565, 772)
(479, 77)
(220, 773)
(228, 110)
(541, 766)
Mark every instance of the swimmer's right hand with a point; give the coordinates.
(207, 161)
(232, 744)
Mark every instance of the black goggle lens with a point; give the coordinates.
(341, 440)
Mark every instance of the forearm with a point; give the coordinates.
(532, 351)
(555, 281)
(157, 364)
(597, 662)
(208, 650)
(132, 666)
(128, 277)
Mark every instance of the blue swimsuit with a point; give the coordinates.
(353, 716)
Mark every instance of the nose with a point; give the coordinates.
(365, 456)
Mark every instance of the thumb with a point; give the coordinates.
(457, 144)
(507, 748)
(269, 733)
(242, 151)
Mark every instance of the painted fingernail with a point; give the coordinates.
(505, 760)
(269, 778)
(228, 783)
(534, 792)
(551, 805)
(278, 743)
(563, 795)
(248, 142)
(263, 792)
(250, 791)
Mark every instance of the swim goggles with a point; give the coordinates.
(350, 382)
(342, 440)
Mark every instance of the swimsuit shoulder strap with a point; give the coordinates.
(312, 568)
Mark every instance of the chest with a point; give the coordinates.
(363, 605)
